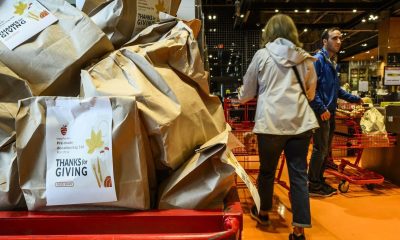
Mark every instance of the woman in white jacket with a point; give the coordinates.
(284, 120)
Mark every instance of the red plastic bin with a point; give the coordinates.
(155, 224)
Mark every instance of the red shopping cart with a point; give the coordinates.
(350, 144)
(100, 225)
(240, 116)
(241, 119)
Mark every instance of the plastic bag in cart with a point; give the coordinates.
(373, 122)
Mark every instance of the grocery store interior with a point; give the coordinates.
(118, 121)
(371, 45)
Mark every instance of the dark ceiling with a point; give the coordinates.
(353, 17)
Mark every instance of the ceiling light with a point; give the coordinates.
(343, 51)
(305, 30)
(388, 46)
(354, 10)
(296, 10)
(363, 20)
(367, 52)
(352, 57)
(215, 17)
(372, 56)
(308, 11)
(263, 30)
(276, 10)
(210, 55)
(241, 15)
(372, 17)
(209, 17)
(364, 44)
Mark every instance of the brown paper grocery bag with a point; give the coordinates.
(115, 17)
(202, 182)
(163, 68)
(130, 156)
(51, 61)
(172, 43)
(10, 192)
(121, 19)
(12, 88)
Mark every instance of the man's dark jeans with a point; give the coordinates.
(295, 148)
(322, 142)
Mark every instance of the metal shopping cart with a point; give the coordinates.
(350, 144)
(240, 116)
(101, 225)
(241, 119)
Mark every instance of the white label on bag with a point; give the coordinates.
(79, 151)
(21, 20)
(147, 12)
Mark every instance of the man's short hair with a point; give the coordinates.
(325, 33)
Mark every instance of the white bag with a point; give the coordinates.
(373, 122)
(130, 151)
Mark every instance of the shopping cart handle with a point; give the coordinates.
(232, 231)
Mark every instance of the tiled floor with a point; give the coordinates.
(358, 214)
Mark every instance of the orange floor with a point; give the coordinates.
(358, 214)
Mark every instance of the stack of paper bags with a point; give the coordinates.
(162, 67)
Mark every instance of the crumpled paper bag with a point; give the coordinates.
(10, 191)
(12, 88)
(51, 61)
(115, 17)
(162, 67)
(121, 19)
(201, 182)
(373, 122)
(132, 174)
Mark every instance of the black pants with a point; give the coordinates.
(322, 144)
(295, 148)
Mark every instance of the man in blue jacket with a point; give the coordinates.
(324, 105)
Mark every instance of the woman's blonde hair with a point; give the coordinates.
(280, 26)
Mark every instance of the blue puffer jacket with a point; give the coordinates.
(328, 86)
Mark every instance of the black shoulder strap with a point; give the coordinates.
(298, 80)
